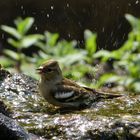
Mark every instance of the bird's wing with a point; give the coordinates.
(65, 93)
(68, 82)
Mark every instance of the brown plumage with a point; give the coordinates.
(63, 92)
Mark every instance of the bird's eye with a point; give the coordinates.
(48, 70)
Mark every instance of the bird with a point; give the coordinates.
(62, 92)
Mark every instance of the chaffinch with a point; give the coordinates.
(63, 92)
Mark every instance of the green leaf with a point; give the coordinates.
(112, 78)
(41, 45)
(70, 59)
(104, 54)
(13, 42)
(6, 62)
(30, 40)
(43, 55)
(108, 78)
(51, 39)
(12, 31)
(24, 25)
(135, 22)
(64, 48)
(11, 54)
(136, 86)
(90, 42)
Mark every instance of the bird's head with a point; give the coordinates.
(50, 71)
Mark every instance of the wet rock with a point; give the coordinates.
(10, 130)
(117, 118)
(4, 109)
(113, 129)
(103, 128)
(3, 73)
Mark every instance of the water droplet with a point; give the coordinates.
(69, 35)
(36, 28)
(103, 29)
(22, 7)
(137, 1)
(68, 5)
(111, 33)
(129, 4)
(52, 7)
(48, 15)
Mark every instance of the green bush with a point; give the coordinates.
(126, 62)
(67, 54)
(76, 63)
(20, 40)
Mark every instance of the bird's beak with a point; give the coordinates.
(39, 70)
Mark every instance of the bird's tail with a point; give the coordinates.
(104, 94)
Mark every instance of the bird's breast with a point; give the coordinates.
(44, 89)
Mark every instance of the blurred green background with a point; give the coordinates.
(87, 65)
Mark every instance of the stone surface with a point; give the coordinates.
(10, 130)
(117, 118)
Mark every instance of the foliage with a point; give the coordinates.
(77, 63)
(66, 53)
(19, 40)
(126, 60)
(49, 47)
(90, 44)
